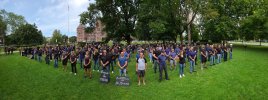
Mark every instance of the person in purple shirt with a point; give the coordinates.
(81, 57)
(172, 60)
(162, 62)
(192, 56)
(177, 50)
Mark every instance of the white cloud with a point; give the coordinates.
(49, 15)
(55, 16)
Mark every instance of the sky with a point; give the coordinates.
(49, 15)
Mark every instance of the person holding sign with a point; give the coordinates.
(141, 68)
(122, 63)
(87, 65)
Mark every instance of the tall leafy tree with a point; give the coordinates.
(118, 16)
(27, 34)
(12, 20)
(56, 37)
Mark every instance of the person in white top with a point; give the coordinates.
(141, 68)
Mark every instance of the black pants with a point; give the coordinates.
(74, 67)
(161, 68)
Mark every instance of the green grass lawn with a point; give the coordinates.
(244, 77)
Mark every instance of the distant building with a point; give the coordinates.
(96, 36)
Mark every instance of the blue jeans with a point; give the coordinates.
(192, 64)
(155, 66)
(96, 64)
(150, 56)
(81, 63)
(56, 63)
(181, 69)
(219, 58)
(106, 68)
(112, 64)
(231, 55)
(39, 58)
(122, 71)
(47, 61)
(212, 59)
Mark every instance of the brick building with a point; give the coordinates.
(96, 36)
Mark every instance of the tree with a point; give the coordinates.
(56, 37)
(27, 34)
(118, 16)
(12, 20)
(72, 39)
(3, 28)
(64, 39)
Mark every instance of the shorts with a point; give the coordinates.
(141, 73)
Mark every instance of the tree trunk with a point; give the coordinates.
(189, 33)
(181, 39)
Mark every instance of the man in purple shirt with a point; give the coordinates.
(162, 62)
(192, 56)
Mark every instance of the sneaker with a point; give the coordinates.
(183, 75)
(112, 71)
(180, 76)
(139, 83)
(144, 83)
(74, 73)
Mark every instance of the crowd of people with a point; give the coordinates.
(8, 50)
(101, 57)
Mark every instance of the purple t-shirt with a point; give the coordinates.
(162, 59)
(172, 54)
(192, 54)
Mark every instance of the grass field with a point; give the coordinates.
(244, 77)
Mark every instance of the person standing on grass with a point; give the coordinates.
(122, 63)
(231, 51)
(192, 56)
(218, 54)
(181, 57)
(73, 60)
(173, 62)
(47, 57)
(141, 68)
(156, 53)
(203, 58)
(56, 58)
(65, 60)
(87, 65)
(105, 60)
(225, 52)
(39, 53)
(127, 55)
(212, 55)
(113, 58)
(81, 57)
(163, 66)
(96, 60)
